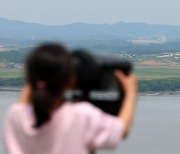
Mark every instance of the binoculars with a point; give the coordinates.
(95, 80)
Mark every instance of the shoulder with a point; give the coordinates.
(16, 107)
(87, 108)
(92, 113)
(96, 116)
(102, 129)
(15, 110)
(81, 112)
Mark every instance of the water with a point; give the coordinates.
(156, 128)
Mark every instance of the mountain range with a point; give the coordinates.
(22, 30)
(123, 37)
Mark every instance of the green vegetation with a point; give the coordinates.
(158, 78)
(10, 77)
(14, 56)
(12, 82)
(157, 72)
(154, 72)
(157, 85)
(10, 73)
(151, 79)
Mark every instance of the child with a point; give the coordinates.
(43, 123)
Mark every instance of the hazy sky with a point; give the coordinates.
(55, 12)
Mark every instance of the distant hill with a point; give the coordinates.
(138, 38)
(122, 46)
(22, 30)
(14, 56)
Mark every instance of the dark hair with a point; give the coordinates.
(51, 65)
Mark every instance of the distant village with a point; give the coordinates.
(131, 57)
(11, 65)
(165, 55)
(136, 58)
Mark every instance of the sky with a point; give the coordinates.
(60, 12)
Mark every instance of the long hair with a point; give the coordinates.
(48, 69)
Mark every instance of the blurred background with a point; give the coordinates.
(145, 32)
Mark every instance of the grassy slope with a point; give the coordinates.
(151, 78)
(7, 73)
(143, 72)
(157, 72)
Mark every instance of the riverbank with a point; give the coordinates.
(18, 89)
(159, 93)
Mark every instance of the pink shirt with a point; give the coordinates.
(73, 129)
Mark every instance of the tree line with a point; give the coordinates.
(155, 85)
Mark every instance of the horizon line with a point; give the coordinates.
(81, 22)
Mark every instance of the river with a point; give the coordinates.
(156, 128)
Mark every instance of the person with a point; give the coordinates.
(44, 123)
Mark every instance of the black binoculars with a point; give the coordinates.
(95, 80)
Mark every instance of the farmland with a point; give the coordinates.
(142, 72)
(9, 73)
(157, 72)
(154, 72)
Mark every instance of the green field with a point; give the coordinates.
(151, 78)
(157, 72)
(142, 72)
(7, 73)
